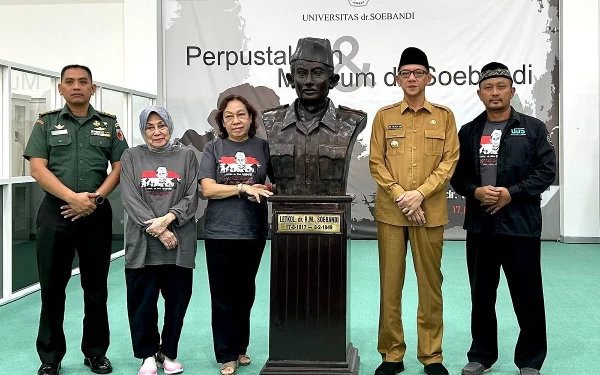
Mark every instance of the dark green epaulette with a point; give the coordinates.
(107, 114)
(51, 111)
(390, 106)
(442, 107)
(285, 106)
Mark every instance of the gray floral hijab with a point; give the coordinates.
(164, 115)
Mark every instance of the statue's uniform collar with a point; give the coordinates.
(329, 118)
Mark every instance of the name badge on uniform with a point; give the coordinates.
(59, 132)
(100, 133)
(395, 127)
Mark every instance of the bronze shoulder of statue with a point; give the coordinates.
(357, 111)
(353, 116)
(275, 109)
(272, 115)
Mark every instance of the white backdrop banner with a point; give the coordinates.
(213, 48)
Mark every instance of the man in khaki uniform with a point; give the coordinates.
(414, 150)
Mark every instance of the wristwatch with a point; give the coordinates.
(99, 198)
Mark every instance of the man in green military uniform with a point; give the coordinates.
(69, 150)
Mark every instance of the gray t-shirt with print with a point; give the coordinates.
(152, 185)
(489, 147)
(231, 163)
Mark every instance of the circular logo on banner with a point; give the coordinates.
(358, 3)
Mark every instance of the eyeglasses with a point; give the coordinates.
(228, 117)
(418, 73)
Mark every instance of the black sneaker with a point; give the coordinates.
(49, 369)
(435, 369)
(389, 368)
(98, 364)
(474, 368)
(529, 371)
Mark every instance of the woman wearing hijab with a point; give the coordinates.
(159, 187)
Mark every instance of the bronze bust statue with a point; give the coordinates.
(311, 140)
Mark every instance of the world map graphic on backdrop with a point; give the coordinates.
(214, 48)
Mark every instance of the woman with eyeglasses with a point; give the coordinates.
(233, 170)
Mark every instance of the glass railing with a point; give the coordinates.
(25, 92)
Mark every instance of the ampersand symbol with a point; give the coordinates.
(358, 77)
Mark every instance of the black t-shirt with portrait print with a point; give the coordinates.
(231, 163)
(488, 151)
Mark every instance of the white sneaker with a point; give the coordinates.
(170, 366)
(148, 367)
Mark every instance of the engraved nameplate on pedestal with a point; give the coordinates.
(309, 223)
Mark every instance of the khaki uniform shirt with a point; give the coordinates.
(77, 150)
(413, 151)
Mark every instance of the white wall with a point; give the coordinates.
(115, 38)
(51, 34)
(580, 120)
(140, 51)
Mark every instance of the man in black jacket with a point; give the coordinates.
(502, 187)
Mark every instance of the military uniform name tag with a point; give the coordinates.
(59, 132)
(395, 127)
(101, 133)
(309, 223)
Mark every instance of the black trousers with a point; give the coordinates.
(520, 259)
(57, 241)
(143, 288)
(232, 266)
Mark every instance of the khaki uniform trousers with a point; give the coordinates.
(426, 245)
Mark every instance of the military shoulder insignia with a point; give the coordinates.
(108, 114)
(40, 121)
(442, 107)
(120, 134)
(357, 111)
(49, 112)
(285, 106)
(390, 106)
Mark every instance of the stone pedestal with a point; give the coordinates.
(309, 317)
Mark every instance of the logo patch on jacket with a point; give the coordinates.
(517, 131)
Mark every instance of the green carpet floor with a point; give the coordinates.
(571, 281)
